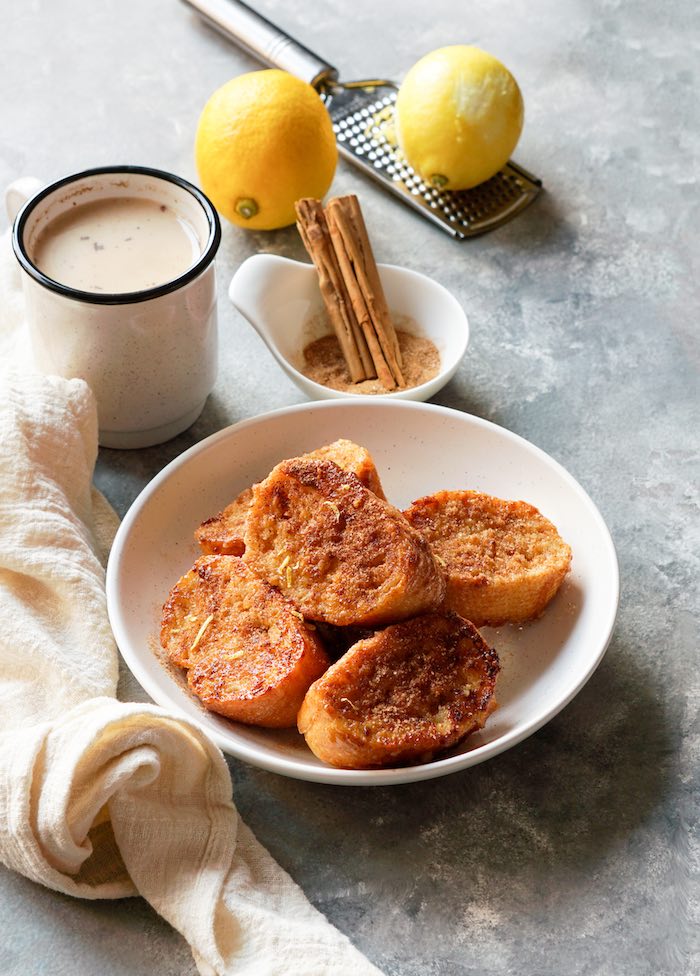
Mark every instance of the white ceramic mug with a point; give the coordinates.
(149, 356)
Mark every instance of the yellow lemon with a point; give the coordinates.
(459, 115)
(263, 141)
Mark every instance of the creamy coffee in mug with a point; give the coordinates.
(116, 244)
(119, 283)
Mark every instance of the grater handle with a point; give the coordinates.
(263, 40)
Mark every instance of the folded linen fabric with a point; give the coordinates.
(87, 783)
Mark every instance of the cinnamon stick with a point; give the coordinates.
(313, 227)
(360, 309)
(352, 246)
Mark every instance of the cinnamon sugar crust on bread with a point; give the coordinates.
(225, 532)
(504, 560)
(340, 553)
(353, 458)
(248, 654)
(411, 690)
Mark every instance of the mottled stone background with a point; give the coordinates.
(575, 853)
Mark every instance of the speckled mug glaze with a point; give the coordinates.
(149, 356)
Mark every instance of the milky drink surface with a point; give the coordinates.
(115, 245)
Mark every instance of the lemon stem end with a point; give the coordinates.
(245, 207)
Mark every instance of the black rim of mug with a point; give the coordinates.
(127, 297)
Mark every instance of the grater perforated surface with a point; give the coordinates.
(363, 123)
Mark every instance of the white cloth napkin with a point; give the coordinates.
(101, 799)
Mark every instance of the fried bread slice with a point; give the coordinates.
(402, 695)
(504, 560)
(225, 532)
(248, 653)
(341, 554)
(353, 458)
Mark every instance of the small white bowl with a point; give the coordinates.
(279, 298)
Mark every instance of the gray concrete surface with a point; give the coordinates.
(576, 853)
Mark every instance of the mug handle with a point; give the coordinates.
(17, 194)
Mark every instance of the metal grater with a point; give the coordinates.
(362, 112)
(358, 124)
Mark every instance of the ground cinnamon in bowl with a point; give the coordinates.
(324, 363)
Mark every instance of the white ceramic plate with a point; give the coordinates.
(418, 448)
